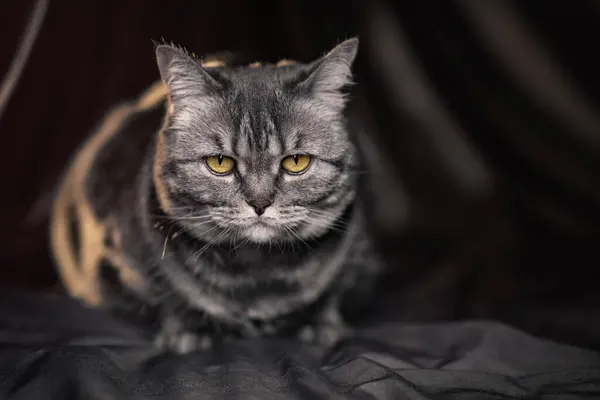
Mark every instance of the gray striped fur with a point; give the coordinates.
(203, 258)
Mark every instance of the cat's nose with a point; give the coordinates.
(260, 206)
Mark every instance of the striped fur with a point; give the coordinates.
(141, 224)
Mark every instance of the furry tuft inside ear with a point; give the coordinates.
(183, 75)
(332, 73)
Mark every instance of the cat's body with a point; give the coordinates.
(147, 223)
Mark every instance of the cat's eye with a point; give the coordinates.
(220, 164)
(296, 164)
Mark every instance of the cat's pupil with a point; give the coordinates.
(295, 157)
(220, 159)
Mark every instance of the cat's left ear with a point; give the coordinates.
(183, 75)
(332, 73)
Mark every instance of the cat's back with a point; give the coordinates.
(83, 232)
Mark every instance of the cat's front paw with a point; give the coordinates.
(174, 338)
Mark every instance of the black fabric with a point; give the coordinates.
(484, 115)
(52, 348)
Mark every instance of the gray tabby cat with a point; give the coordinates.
(240, 217)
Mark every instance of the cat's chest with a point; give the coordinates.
(251, 271)
(248, 278)
(251, 283)
(251, 319)
(265, 291)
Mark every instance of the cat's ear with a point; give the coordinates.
(183, 75)
(330, 74)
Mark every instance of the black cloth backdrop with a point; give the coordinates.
(489, 115)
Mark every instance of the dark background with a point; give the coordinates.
(486, 200)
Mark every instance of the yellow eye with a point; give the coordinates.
(220, 164)
(296, 164)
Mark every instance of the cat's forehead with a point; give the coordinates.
(266, 128)
(257, 116)
(268, 119)
(257, 123)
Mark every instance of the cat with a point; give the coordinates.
(222, 203)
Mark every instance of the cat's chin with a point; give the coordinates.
(260, 233)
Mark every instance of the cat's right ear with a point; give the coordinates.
(331, 73)
(183, 75)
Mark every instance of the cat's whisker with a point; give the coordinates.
(242, 244)
(330, 217)
(288, 235)
(192, 218)
(191, 227)
(209, 244)
(237, 234)
(328, 221)
(317, 210)
(232, 238)
(298, 237)
(277, 244)
(195, 226)
(164, 250)
(323, 222)
(181, 207)
(333, 218)
(181, 220)
(324, 212)
(325, 225)
(327, 215)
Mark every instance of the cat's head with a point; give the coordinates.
(256, 154)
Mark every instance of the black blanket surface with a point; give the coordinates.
(52, 348)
